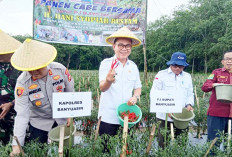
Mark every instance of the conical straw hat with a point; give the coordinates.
(123, 32)
(7, 43)
(33, 55)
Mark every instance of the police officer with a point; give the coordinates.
(34, 88)
(8, 76)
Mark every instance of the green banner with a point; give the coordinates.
(86, 22)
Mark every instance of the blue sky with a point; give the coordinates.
(16, 15)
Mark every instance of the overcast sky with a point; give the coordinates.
(16, 15)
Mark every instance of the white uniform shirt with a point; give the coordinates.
(33, 99)
(127, 79)
(168, 81)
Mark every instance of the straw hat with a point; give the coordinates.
(33, 55)
(123, 32)
(7, 43)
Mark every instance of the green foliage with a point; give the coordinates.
(201, 32)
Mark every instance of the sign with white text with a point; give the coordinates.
(71, 104)
(163, 102)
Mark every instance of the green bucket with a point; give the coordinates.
(224, 93)
(181, 120)
(54, 134)
(134, 108)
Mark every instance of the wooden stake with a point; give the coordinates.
(124, 136)
(229, 133)
(214, 141)
(20, 148)
(98, 96)
(166, 130)
(61, 141)
(151, 138)
(70, 136)
(97, 129)
(172, 131)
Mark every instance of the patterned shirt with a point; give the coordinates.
(8, 77)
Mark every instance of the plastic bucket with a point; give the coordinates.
(54, 134)
(181, 120)
(224, 93)
(134, 108)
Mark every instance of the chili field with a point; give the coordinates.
(138, 136)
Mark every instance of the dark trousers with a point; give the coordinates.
(215, 125)
(40, 135)
(107, 129)
(177, 132)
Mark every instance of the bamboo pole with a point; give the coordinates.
(198, 106)
(97, 129)
(70, 136)
(172, 131)
(229, 133)
(124, 136)
(151, 138)
(98, 96)
(20, 148)
(61, 141)
(144, 48)
(213, 142)
(166, 128)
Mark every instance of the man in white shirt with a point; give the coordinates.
(174, 79)
(119, 80)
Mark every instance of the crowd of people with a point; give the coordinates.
(27, 101)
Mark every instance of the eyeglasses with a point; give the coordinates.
(227, 59)
(121, 46)
(177, 66)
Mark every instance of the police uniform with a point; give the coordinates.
(33, 101)
(8, 76)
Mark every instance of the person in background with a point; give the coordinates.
(33, 91)
(172, 79)
(119, 80)
(218, 112)
(8, 76)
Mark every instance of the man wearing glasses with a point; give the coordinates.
(218, 113)
(173, 79)
(119, 80)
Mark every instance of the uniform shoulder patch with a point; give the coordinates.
(68, 75)
(211, 76)
(19, 91)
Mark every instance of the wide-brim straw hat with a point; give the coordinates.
(33, 55)
(123, 32)
(8, 44)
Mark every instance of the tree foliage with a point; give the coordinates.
(202, 31)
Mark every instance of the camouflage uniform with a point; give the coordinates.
(8, 77)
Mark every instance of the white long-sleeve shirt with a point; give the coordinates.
(168, 81)
(126, 80)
